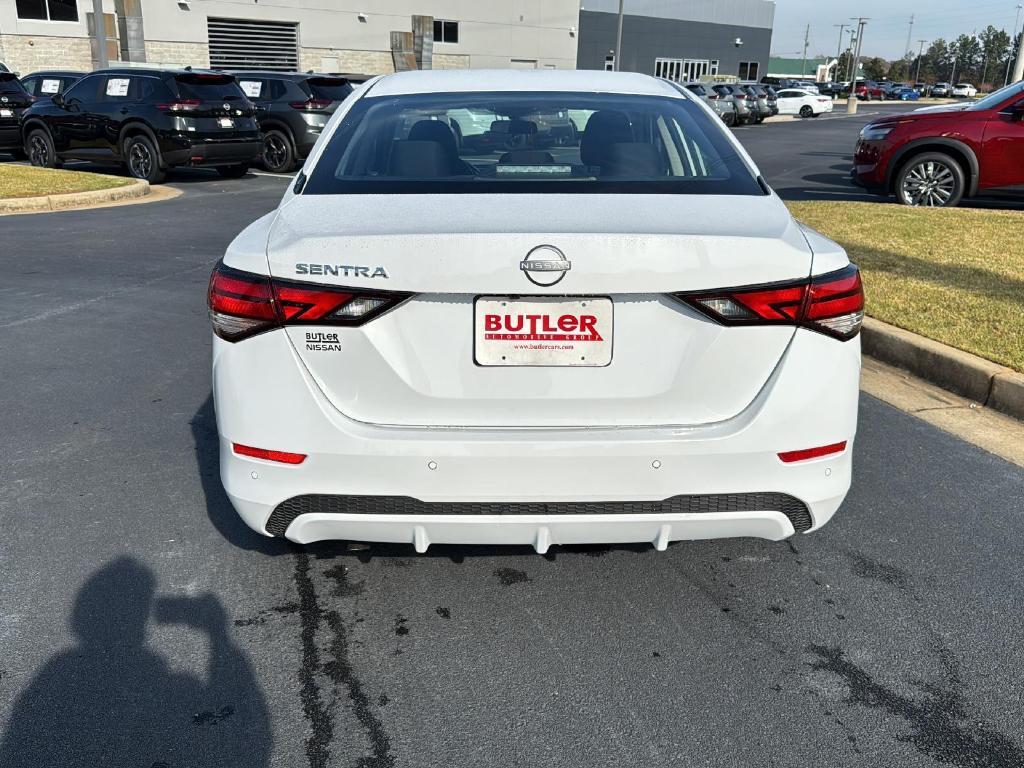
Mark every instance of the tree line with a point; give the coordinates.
(982, 59)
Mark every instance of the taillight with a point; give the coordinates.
(311, 105)
(832, 304)
(243, 304)
(713, 96)
(806, 454)
(181, 105)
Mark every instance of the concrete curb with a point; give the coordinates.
(985, 382)
(138, 188)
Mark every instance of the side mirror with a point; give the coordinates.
(58, 99)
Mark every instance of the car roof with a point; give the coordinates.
(461, 81)
(55, 73)
(157, 71)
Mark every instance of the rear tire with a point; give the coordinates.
(233, 171)
(729, 119)
(932, 179)
(806, 111)
(278, 155)
(143, 159)
(40, 151)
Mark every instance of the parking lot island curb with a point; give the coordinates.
(138, 188)
(983, 381)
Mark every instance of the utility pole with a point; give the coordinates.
(851, 101)
(839, 48)
(1018, 70)
(920, 54)
(849, 62)
(807, 37)
(618, 37)
(99, 31)
(909, 33)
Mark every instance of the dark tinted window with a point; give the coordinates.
(446, 31)
(10, 84)
(52, 10)
(209, 87)
(530, 142)
(289, 90)
(697, 89)
(329, 88)
(85, 90)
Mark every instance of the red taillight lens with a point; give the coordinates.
(832, 304)
(311, 105)
(282, 457)
(812, 453)
(243, 304)
(181, 105)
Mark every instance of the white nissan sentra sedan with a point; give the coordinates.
(515, 308)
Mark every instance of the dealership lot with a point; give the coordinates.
(889, 638)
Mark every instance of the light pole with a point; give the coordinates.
(618, 37)
(1009, 58)
(99, 31)
(920, 53)
(851, 101)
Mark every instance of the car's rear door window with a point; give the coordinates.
(530, 142)
(329, 88)
(209, 87)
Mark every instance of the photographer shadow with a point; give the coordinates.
(113, 699)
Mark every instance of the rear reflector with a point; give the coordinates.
(812, 453)
(832, 304)
(282, 457)
(243, 304)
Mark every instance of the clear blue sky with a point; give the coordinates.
(886, 32)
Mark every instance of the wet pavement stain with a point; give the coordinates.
(212, 718)
(867, 568)
(339, 670)
(941, 726)
(510, 576)
(342, 586)
(443, 612)
(400, 628)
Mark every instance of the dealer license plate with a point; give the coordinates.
(542, 331)
(226, 122)
(6, 113)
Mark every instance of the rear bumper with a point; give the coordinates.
(810, 400)
(213, 153)
(10, 136)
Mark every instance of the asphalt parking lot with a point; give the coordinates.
(144, 625)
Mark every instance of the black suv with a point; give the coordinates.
(14, 100)
(147, 119)
(292, 110)
(45, 85)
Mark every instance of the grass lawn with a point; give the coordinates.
(26, 181)
(954, 275)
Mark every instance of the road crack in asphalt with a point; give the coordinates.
(339, 669)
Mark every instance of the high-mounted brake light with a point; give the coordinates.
(282, 457)
(832, 304)
(243, 304)
(806, 454)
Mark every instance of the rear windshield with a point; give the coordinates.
(329, 88)
(209, 87)
(530, 142)
(10, 84)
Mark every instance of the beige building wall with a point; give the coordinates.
(353, 33)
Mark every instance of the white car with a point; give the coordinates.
(435, 342)
(794, 101)
(965, 90)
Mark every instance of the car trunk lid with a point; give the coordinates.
(417, 365)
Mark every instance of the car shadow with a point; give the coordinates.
(113, 699)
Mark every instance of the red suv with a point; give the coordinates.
(868, 89)
(937, 155)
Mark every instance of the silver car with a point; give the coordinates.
(733, 94)
(723, 108)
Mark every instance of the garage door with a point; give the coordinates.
(245, 44)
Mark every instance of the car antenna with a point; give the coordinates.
(188, 68)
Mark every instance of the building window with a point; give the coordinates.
(670, 69)
(609, 63)
(48, 10)
(446, 31)
(714, 67)
(748, 70)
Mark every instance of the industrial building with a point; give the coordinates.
(679, 39)
(335, 36)
(675, 39)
